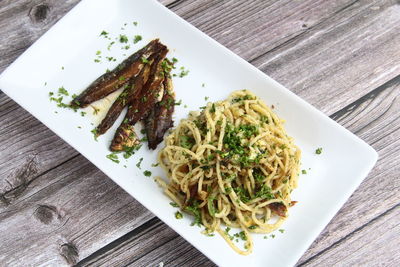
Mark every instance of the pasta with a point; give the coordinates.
(232, 164)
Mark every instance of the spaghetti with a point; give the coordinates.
(232, 164)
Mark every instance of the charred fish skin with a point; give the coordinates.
(117, 78)
(160, 119)
(132, 89)
(140, 106)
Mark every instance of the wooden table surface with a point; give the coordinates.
(342, 56)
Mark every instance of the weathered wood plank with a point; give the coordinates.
(63, 218)
(375, 244)
(149, 247)
(372, 118)
(341, 58)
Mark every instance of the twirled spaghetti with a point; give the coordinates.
(232, 164)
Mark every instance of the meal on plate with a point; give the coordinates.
(232, 164)
(147, 92)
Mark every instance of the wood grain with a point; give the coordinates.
(375, 244)
(62, 216)
(329, 52)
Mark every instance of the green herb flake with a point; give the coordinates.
(98, 52)
(62, 91)
(303, 171)
(110, 45)
(140, 162)
(137, 38)
(184, 72)
(62, 67)
(212, 109)
(123, 38)
(144, 60)
(95, 110)
(178, 215)
(272, 235)
(79, 127)
(173, 204)
(95, 134)
(83, 113)
(97, 60)
(113, 157)
(318, 151)
(155, 165)
(147, 173)
(206, 98)
(135, 23)
(104, 33)
(281, 230)
(203, 85)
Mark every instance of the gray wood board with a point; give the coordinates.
(341, 50)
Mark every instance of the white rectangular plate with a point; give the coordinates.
(72, 44)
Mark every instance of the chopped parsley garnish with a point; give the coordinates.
(62, 67)
(79, 127)
(173, 204)
(252, 227)
(123, 38)
(203, 85)
(126, 48)
(281, 230)
(212, 109)
(137, 38)
(241, 235)
(110, 44)
(206, 98)
(103, 33)
(98, 52)
(147, 173)
(135, 23)
(111, 59)
(264, 193)
(318, 151)
(186, 141)
(113, 157)
(144, 60)
(239, 99)
(195, 210)
(155, 164)
(83, 113)
(96, 60)
(62, 91)
(178, 103)
(303, 171)
(129, 151)
(178, 215)
(95, 133)
(258, 175)
(140, 162)
(183, 72)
